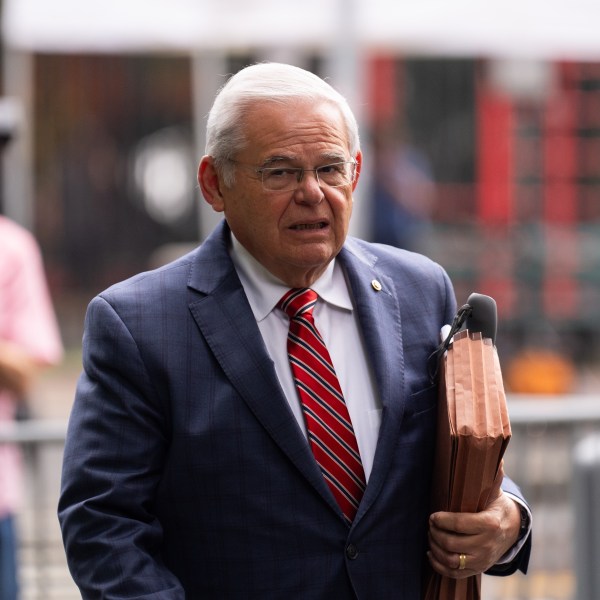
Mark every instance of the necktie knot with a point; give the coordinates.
(297, 302)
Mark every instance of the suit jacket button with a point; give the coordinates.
(351, 551)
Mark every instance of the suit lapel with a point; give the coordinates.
(378, 311)
(226, 321)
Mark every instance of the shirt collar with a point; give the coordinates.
(264, 290)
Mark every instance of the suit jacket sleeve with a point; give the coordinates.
(114, 452)
(521, 560)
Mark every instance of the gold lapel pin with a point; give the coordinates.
(376, 285)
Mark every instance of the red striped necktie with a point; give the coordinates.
(330, 431)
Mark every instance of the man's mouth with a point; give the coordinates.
(303, 226)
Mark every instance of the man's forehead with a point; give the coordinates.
(278, 133)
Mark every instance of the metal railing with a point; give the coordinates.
(43, 571)
(540, 458)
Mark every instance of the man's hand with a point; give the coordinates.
(17, 368)
(464, 544)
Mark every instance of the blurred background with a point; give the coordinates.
(481, 131)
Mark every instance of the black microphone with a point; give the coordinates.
(483, 317)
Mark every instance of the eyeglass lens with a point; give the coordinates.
(289, 178)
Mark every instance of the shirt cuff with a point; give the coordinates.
(526, 523)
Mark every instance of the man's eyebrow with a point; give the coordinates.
(334, 157)
(274, 160)
(280, 158)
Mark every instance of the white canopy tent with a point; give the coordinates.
(542, 29)
(341, 29)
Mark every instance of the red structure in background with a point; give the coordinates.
(383, 99)
(560, 177)
(495, 126)
(525, 226)
(495, 121)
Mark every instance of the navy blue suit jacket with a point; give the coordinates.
(185, 473)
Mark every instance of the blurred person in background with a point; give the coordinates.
(29, 340)
(200, 460)
(404, 192)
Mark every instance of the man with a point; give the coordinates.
(29, 340)
(192, 468)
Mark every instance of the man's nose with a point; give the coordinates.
(309, 189)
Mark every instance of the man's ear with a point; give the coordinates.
(209, 182)
(358, 159)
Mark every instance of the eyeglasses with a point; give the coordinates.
(287, 179)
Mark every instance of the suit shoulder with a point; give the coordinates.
(153, 280)
(419, 285)
(393, 258)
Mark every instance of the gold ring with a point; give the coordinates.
(462, 562)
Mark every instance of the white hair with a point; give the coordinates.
(272, 82)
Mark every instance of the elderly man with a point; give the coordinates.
(255, 420)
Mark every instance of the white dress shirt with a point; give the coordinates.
(335, 318)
